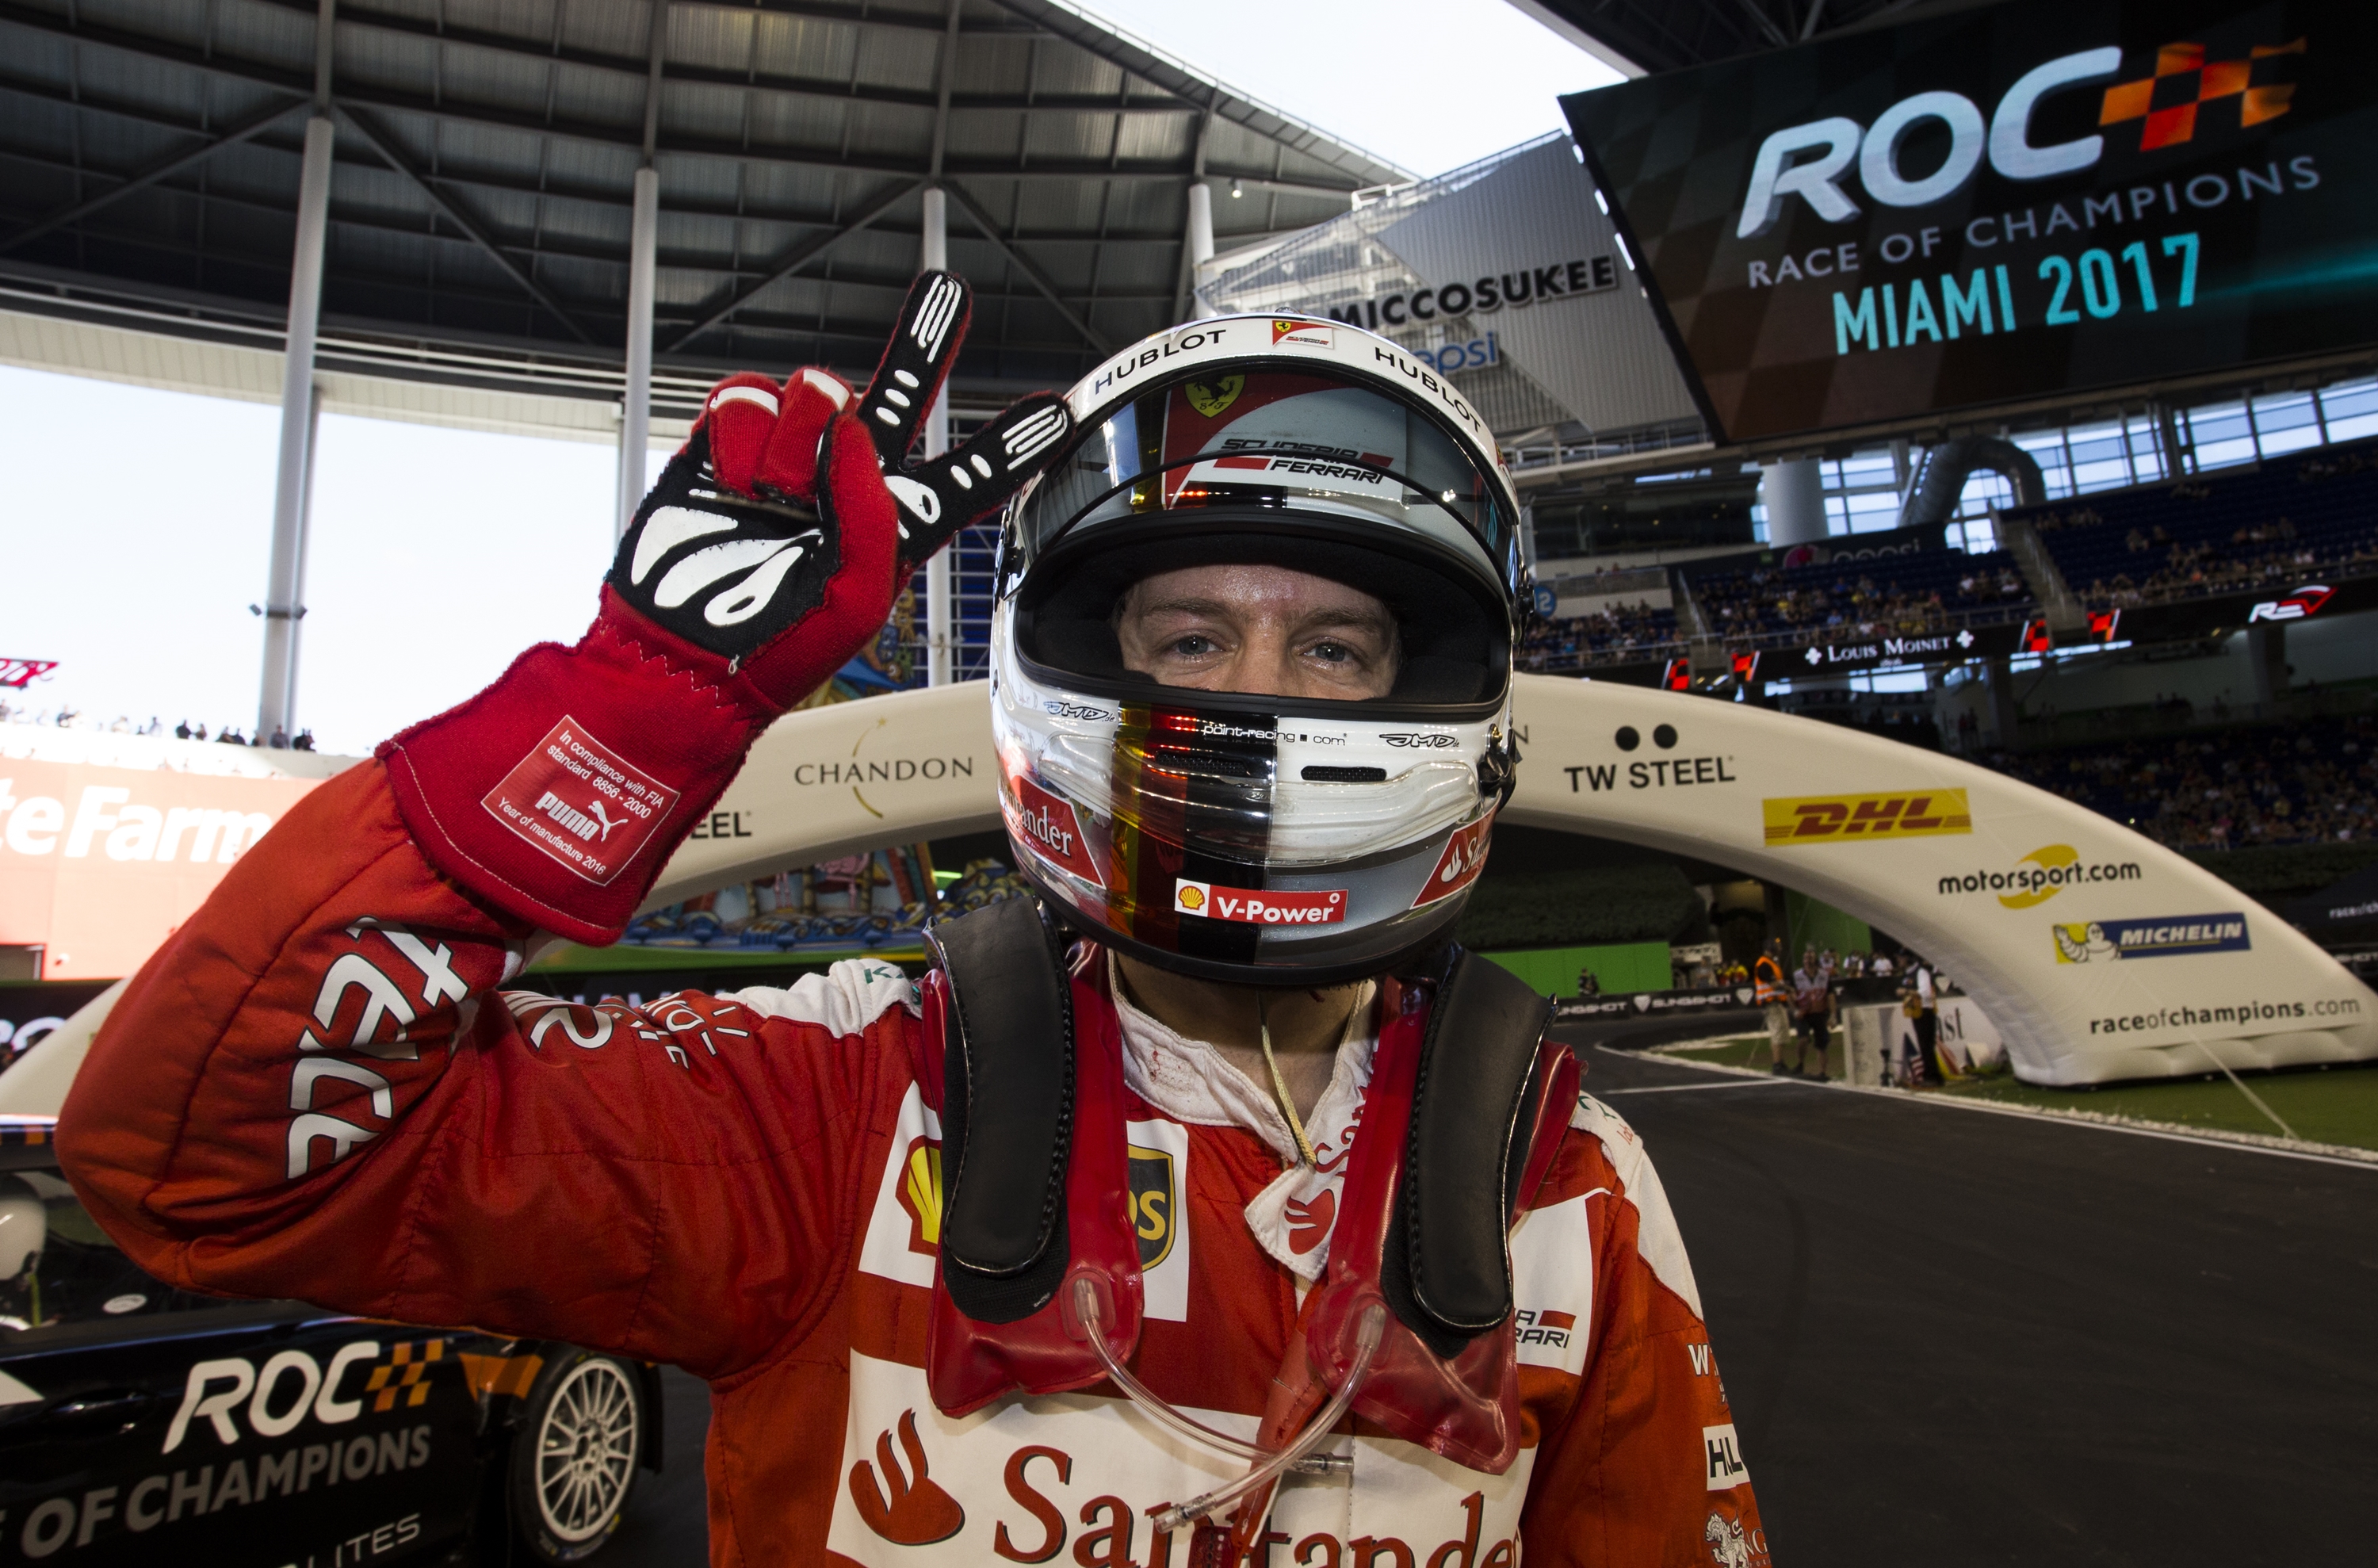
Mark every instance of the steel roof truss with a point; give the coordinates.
(392, 154)
(792, 261)
(1039, 279)
(171, 164)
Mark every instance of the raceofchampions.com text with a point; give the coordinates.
(2244, 1012)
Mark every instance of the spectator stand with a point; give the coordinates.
(2186, 556)
(1858, 587)
(2228, 789)
(1605, 620)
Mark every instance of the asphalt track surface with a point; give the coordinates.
(1955, 1337)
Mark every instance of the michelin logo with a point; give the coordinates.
(2159, 938)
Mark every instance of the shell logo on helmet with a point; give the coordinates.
(1249, 907)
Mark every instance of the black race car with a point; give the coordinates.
(141, 1424)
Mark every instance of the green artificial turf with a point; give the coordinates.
(2333, 1105)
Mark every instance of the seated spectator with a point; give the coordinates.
(2314, 784)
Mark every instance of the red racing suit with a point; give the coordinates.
(318, 1090)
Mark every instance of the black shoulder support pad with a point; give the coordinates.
(1447, 1268)
(1007, 1110)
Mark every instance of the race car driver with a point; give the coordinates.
(1210, 1205)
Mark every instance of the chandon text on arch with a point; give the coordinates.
(890, 770)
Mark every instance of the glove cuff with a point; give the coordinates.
(557, 794)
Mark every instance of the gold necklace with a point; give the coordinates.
(1280, 1085)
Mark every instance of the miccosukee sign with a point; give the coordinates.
(2008, 203)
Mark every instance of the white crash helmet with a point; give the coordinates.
(1245, 837)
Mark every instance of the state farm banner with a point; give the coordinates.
(2011, 202)
(100, 864)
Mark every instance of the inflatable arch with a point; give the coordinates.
(2098, 953)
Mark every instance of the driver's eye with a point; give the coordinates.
(1332, 653)
(1195, 646)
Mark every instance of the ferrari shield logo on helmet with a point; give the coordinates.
(1153, 1206)
(1209, 398)
(1307, 335)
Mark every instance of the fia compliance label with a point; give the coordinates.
(2168, 936)
(577, 799)
(1320, 907)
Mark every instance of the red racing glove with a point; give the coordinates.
(769, 552)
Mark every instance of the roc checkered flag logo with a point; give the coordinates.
(2165, 103)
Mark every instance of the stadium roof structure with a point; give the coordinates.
(480, 206)
(1646, 36)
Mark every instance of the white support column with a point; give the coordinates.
(1201, 234)
(643, 243)
(1201, 226)
(285, 587)
(304, 545)
(636, 404)
(940, 623)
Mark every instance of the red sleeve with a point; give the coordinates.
(1647, 1469)
(312, 1091)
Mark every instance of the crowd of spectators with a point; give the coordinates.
(2264, 530)
(1906, 596)
(2296, 784)
(229, 735)
(1608, 636)
(66, 717)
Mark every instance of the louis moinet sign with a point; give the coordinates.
(2010, 202)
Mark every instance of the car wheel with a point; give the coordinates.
(573, 1464)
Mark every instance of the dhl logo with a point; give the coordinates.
(1830, 819)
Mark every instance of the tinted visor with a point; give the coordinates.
(1279, 442)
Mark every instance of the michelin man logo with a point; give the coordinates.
(2079, 944)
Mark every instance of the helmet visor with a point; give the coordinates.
(1288, 442)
